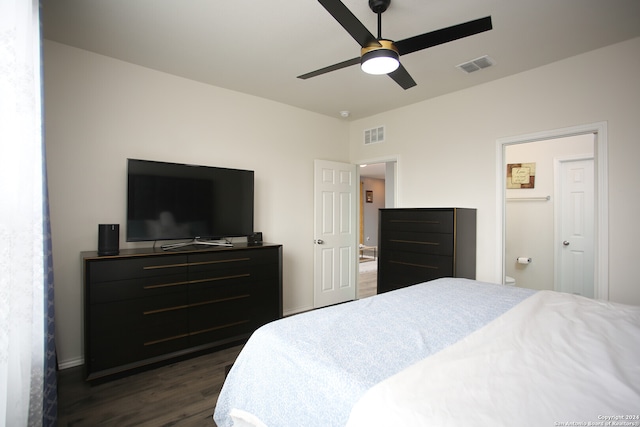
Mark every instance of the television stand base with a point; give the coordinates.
(194, 242)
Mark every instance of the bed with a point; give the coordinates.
(445, 352)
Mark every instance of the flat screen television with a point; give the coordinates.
(170, 201)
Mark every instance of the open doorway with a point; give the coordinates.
(377, 191)
(544, 208)
(523, 203)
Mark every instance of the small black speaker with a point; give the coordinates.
(255, 238)
(108, 239)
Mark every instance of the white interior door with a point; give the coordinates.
(335, 234)
(576, 234)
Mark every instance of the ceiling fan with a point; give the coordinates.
(382, 56)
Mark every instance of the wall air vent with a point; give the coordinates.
(476, 64)
(375, 135)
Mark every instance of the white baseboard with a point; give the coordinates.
(70, 363)
(297, 311)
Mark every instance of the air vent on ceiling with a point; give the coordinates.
(372, 136)
(476, 64)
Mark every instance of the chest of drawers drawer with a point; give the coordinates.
(424, 243)
(416, 221)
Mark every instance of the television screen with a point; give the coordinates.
(168, 201)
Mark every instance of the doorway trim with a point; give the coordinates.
(601, 253)
(396, 178)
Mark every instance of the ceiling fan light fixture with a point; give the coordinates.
(380, 59)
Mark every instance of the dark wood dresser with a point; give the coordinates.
(145, 307)
(421, 244)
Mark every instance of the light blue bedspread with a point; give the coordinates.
(310, 369)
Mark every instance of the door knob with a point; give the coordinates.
(318, 241)
(566, 243)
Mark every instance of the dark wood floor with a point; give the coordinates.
(182, 394)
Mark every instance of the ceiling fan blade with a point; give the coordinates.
(330, 68)
(349, 22)
(444, 35)
(402, 77)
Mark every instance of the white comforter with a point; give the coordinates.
(554, 359)
(310, 369)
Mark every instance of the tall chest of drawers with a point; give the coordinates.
(144, 308)
(421, 244)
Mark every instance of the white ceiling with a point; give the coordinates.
(375, 170)
(259, 47)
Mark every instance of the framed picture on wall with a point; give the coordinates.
(521, 175)
(369, 196)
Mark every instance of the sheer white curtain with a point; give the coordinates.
(23, 284)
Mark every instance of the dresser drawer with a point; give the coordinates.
(137, 313)
(215, 319)
(214, 260)
(222, 334)
(417, 221)
(102, 292)
(219, 312)
(129, 349)
(425, 243)
(129, 332)
(234, 273)
(203, 292)
(266, 300)
(109, 270)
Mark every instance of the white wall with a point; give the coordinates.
(529, 224)
(371, 209)
(390, 185)
(100, 111)
(446, 147)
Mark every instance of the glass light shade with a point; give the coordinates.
(379, 61)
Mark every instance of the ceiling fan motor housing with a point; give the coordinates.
(386, 45)
(379, 6)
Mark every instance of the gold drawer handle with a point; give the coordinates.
(210, 279)
(187, 264)
(182, 307)
(213, 279)
(165, 285)
(175, 337)
(215, 301)
(414, 242)
(164, 310)
(433, 267)
(202, 331)
(215, 328)
(414, 221)
(155, 267)
(221, 261)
